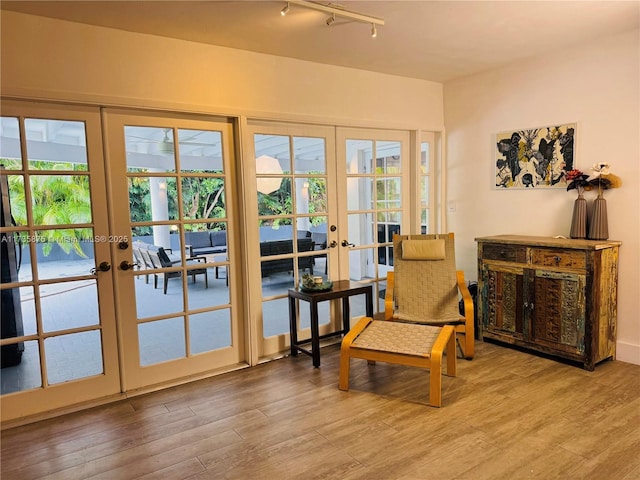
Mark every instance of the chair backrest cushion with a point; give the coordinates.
(218, 238)
(423, 249)
(198, 239)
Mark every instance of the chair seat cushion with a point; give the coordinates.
(398, 337)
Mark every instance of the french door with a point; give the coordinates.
(346, 191)
(173, 189)
(292, 224)
(374, 196)
(58, 320)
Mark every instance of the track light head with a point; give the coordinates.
(374, 31)
(331, 19)
(285, 10)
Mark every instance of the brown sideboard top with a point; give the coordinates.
(550, 242)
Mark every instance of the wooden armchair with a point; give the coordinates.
(421, 314)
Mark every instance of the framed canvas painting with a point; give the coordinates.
(535, 158)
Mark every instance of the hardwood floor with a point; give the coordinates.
(508, 415)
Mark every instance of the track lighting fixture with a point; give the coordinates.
(334, 11)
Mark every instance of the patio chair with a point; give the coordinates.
(160, 259)
(143, 263)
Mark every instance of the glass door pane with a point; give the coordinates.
(373, 167)
(58, 324)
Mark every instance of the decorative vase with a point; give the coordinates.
(579, 219)
(599, 225)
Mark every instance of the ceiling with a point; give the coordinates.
(430, 40)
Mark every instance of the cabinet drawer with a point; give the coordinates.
(506, 253)
(551, 257)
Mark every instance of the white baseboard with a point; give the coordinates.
(627, 352)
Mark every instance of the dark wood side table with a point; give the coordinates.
(341, 289)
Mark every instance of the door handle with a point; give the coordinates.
(124, 265)
(333, 244)
(347, 244)
(102, 267)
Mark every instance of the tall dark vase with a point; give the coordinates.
(579, 219)
(599, 225)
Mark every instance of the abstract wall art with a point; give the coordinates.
(535, 158)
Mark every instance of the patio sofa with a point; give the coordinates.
(202, 243)
(282, 247)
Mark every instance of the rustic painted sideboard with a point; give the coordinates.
(552, 295)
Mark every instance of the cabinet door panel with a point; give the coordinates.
(559, 310)
(505, 293)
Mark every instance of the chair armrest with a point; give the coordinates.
(356, 330)
(466, 297)
(198, 259)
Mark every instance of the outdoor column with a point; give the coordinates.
(302, 204)
(159, 211)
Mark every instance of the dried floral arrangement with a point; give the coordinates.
(601, 179)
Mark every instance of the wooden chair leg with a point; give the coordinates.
(468, 346)
(435, 380)
(345, 367)
(452, 360)
(345, 357)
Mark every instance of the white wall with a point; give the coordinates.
(595, 85)
(48, 58)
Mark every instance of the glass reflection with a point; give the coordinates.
(55, 299)
(153, 199)
(361, 229)
(388, 157)
(150, 299)
(60, 199)
(203, 197)
(275, 317)
(200, 150)
(10, 143)
(149, 149)
(359, 156)
(161, 341)
(210, 331)
(62, 354)
(309, 155)
(360, 195)
(362, 264)
(56, 144)
(27, 374)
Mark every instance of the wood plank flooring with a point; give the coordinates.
(508, 415)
